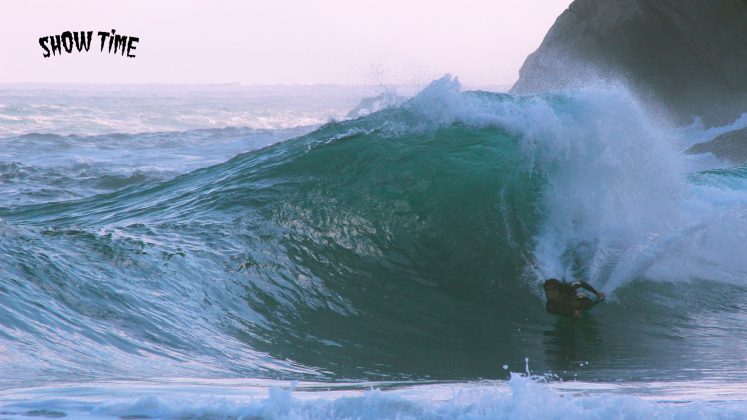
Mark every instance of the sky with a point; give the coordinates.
(483, 42)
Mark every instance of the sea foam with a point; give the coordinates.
(520, 398)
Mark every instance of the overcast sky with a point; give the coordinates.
(483, 42)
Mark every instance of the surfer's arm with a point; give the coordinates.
(587, 286)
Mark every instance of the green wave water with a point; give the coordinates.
(407, 244)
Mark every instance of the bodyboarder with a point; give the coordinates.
(567, 300)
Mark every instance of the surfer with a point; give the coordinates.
(566, 298)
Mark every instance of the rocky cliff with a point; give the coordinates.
(688, 55)
(731, 146)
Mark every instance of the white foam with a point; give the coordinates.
(519, 398)
(618, 202)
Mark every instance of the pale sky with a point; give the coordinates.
(483, 42)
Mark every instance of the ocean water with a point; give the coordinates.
(348, 252)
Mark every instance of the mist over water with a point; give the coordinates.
(406, 244)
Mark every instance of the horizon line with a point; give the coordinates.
(242, 84)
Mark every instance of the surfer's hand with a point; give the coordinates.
(600, 295)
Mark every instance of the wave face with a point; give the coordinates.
(408, 243)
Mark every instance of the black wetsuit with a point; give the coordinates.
(570, 300)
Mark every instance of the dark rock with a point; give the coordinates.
(689, 55)
(731, 146)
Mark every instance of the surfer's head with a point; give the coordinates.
(552, 288)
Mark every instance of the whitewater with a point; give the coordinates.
(356, 252)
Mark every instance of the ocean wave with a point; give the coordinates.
(42, 168)
(384, 246)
